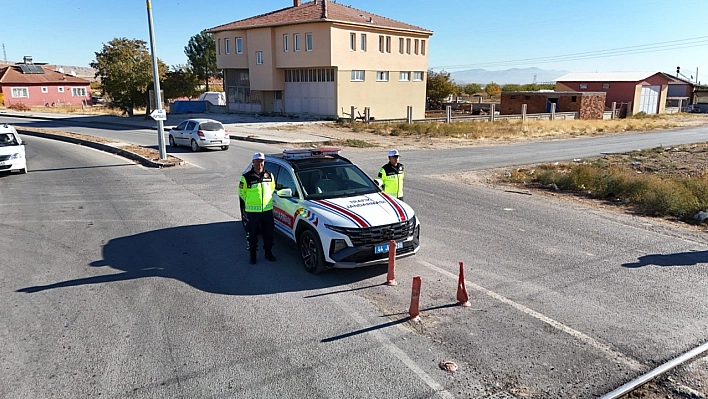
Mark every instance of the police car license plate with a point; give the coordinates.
(380, 249)
(2, 163)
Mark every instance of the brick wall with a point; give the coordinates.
(587, 106)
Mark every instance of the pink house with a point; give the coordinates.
(34, 86)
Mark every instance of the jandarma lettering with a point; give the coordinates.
(365, 204)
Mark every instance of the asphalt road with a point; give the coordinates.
(127, 282)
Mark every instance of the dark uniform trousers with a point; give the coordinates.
(264, 220)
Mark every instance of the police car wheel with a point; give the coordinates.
(311, 252)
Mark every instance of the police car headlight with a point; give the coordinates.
(16, 155)
(341, 230)
(337, 245)
(411, 226)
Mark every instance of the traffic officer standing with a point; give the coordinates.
(256, 191)
(392, 175)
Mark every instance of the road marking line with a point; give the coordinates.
(395, 351)
(605, 349)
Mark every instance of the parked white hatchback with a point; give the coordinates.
(12, 150)
(200, 133)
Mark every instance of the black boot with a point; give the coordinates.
(269, 255)
(253, 258)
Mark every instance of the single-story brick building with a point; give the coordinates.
(633, 92)
(588, 105)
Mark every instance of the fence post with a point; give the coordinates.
(614, 109)
(409, 114)
(523, 112)
(553, 111)
(491, 112)
(367, 114)
(353, 115)
(630, 110)
(448, 114)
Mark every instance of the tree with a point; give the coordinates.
(511, 87)
(180, 81)
(201, 53)
(492, 89)
(472, 88)
(125, 69)
(439, 86)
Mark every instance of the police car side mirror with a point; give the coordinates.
(285, 193)
(379, 183)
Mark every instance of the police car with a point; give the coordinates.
(12, 150)
(335, 213)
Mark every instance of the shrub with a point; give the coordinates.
(19, 107)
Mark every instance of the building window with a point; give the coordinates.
(388, 44)
(415, 47)
(605, 85)
(286, 43)
(239, 45)
(382, 76)
(296, 40)
(259, 57)
(408, 46)
(218, 47)
(45, 90)
(513, 97)
(308, 41)
(573, 99)
(20, 92)
(400, 45)
(527, 98)
(418, 76)
(60, 89)
(583, 86)
(363, 42)
(227, 46)
(381, 44)
(352, 42)
(422, 47)
(357, 76)
(78, 92)
(404, 77)
(309, 75)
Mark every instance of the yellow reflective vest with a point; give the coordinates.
(256, 191)
(392, 178)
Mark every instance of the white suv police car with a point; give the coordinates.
(12, 150)
(335, 213)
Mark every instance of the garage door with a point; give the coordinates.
(649, 100)
(310, 91)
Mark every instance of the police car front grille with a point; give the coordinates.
(379, 234)
(4, 157)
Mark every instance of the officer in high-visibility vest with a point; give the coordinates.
(391, 175)
(256, 191)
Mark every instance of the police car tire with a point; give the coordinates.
(311, 252)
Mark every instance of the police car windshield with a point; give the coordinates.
(7, 139)
(334, 181)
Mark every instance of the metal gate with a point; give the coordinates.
(649, 99)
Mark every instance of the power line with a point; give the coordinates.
(619, 51)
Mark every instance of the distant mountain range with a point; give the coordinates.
(515, 75)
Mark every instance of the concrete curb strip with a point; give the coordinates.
(106, 147)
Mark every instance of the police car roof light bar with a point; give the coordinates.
(310, 152)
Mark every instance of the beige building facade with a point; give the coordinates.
(321, 59)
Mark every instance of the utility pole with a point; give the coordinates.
(4, 54)
(159, 115)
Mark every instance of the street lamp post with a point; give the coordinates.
(159, 115)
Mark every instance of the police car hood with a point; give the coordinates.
(363, 211)
(10, 149)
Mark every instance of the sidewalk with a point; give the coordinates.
(263, 129)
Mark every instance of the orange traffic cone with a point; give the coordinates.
(413, 311)
(391, 277)
(463, 299)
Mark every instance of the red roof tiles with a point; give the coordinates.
(14, 75)
(317, 11)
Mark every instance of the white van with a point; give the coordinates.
(12, 150)
(214, 97)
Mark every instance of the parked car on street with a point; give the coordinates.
(12, 150)
(335, 213)
(200, 133)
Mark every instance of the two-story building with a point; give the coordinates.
(321, 58)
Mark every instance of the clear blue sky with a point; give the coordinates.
(648, 35)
